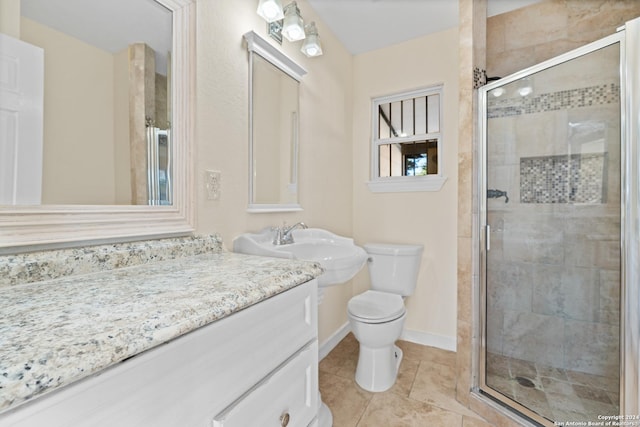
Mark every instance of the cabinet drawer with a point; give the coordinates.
(286, 397)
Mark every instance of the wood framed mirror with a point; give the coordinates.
(274, 81)
(26, 227)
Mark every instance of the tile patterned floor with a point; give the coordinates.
(557, 394)
(422, 396)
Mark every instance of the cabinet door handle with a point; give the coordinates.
(284, 419)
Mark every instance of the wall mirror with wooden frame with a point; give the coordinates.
(113, 209)
(274, 81)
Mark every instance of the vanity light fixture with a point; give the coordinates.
(270, 10)
(311, 45)
(288, 23)
(293, 25)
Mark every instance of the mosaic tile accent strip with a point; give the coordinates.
(579, 178)
(553, 101)
(479, 77)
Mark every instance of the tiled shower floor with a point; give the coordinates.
(556, 394)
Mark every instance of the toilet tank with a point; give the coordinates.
(394, 268)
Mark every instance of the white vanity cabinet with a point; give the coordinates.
(256, 367)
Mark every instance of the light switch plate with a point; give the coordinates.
(212, 184)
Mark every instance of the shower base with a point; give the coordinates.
(556, 394)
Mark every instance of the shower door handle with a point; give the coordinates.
(488, 237)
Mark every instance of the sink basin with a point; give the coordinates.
(339, 257)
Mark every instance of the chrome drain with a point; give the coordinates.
(525, 382)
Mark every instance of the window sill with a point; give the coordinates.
(407, 184)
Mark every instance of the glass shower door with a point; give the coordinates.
(551, 255)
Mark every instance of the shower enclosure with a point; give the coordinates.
(159, 166)
(559, 236)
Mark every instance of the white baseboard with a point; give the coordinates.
(331, 342)
(417, 337)
(431, 340)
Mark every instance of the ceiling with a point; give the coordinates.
(110, 25)
(365, 25)
(361, 25)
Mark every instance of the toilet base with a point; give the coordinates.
(378, 367)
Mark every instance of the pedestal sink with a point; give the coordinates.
(339, 257)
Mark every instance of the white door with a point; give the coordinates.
(21, 121)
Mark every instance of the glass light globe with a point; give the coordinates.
(270, 10)
(293, 25)
(311, 46)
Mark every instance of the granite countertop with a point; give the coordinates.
(57, 331)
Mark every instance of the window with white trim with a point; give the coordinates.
(407, 141)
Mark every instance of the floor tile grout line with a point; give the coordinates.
(413, 382)
(442, 387)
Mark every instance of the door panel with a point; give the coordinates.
(552, 210)
(21, 121)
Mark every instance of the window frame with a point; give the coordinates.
(433, 182)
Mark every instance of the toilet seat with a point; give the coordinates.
(376, 307)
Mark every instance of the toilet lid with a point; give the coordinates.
(376, 306)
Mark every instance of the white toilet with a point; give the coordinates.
(377, 316)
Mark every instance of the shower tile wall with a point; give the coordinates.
(554, 264)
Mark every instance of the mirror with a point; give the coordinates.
(273, 128)
(114, 206)
(105, 91)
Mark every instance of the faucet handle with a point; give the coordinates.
(277, 237)
(287, 238)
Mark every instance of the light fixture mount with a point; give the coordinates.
(274, 29)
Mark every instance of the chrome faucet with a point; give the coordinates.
(284, 235)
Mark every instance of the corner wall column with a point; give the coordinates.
(141, 106)
(472, 56)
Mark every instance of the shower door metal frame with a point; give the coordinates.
(628, 38)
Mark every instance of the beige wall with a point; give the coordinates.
(428, 218)
(334, 154)
(267, 133)
(275, 101)
(70, 138)
(222, 133)
(10, 18)
(121, 128)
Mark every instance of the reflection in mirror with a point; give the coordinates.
(107, 100)
(158, 166)
(101, 212)
(273, 97)
(275, 144)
